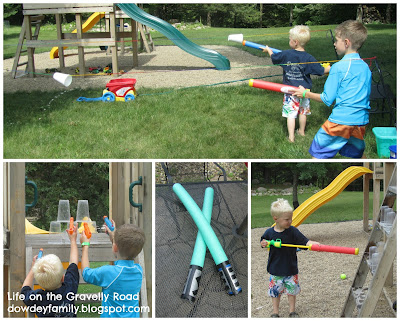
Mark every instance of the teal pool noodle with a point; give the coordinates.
(199, 252)
(211, 240)
(200, 247)
(225, 269)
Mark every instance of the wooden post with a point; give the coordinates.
(81, 51)
(16, 219)
(61, 59)
(121, 29)
(366, 179)
(114, 47)
(134, 43)
(145, 222)
(30, 50)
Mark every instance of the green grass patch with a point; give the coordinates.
(347, 206)
(212, 122)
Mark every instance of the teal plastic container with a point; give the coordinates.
(385, 137)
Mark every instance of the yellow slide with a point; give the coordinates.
(328, 193)
(32, 229)
(93, 19)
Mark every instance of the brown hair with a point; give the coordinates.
(353, 30)
(129, 239)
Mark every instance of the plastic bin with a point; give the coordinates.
(385, 137)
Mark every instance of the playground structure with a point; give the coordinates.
(34, 14)
(123, 196)
(383, 238)
(350, 174)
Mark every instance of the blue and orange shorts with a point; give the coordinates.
(283, 284)
(334, 138)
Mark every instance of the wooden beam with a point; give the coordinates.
(81, 51)
(70, 42)
(16, 272)
(61, 57)
(63, 9)
(114, 46)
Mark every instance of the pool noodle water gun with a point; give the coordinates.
(261, 84)
(40, 254)
(108, 223)
(71, 225)
(316, 247)
(199, 252)
(239, 38)
(87, 230)
(211, 240)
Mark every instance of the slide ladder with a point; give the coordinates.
(366, 298)
(37, 22)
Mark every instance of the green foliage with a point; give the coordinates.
(316, 174)
(67, 181)
(10, 9)
(321, 13)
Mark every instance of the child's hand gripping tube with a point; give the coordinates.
(87, 230)
(109, 223)
(71, 226)
(40, 254)
(199, 252)
(210, 239)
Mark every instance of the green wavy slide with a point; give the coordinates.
(219, 61)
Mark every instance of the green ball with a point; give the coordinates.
(343, 276)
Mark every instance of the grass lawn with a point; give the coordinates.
(204, 122)
(347, 206)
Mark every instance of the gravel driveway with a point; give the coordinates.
(167, 66)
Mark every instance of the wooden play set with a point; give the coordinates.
(130, 202)
(113, 36)
(362, 298)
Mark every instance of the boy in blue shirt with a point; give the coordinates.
(349, 84)
(298, 66)
(122, 281)
(57, 298)
(282, 262)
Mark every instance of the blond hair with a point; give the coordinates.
(48, 272)
(130, 240)
(300, 33)
(353, 30)
(279, 207)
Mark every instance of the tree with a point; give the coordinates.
(67, 181)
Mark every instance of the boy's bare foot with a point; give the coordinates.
(301, 133)
(291, 139)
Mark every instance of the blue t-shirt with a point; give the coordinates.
(283, 261)
(48, 299)
(121, 285)
(297, 74)
(349, 83)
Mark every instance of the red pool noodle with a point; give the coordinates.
(334, 249)
(287, 89)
